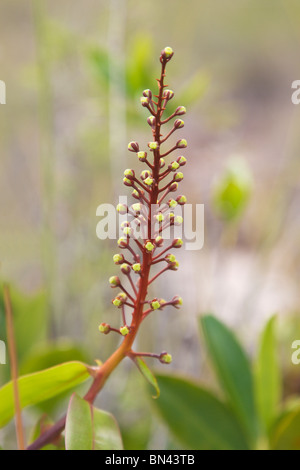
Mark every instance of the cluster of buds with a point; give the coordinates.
(151, 188)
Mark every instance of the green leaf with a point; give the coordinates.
(233, 371)
(88, 428)
(267, 377)
(147, 373)
(197, 418)
(286, 435)
(40, 386)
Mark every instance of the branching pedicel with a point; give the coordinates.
(153, 208)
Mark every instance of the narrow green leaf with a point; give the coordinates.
(197, 418)
(267, 377)
(88, 428)
(41, 386)
(233, 371)
(286, 435)
(147, 373)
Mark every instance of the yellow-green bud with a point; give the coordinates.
(136, 207)
(178, 176)
(159, 241)
(136, 267)
(144, 101)
(149, 246)
(180, 110)
(153, 145)
(122, 208)
(172, 203)
(114, 281)
(177, 301)
(181, 144)
(133, 147)
(178, 123)
(129, 173)
(165, 358)
(155, 305)
(173, 187)
(104, 328)
(178, 220)
(173, 166)
(127, 181)
(167, 53)
(170, 258)
(125, 268)
(161, 163)
(142, 156)
(145, 174)
(124, 330)
(159, 217)
(127, 231)
(147, 93)
(181, 200)
(122, 242)
(181, 160)
(118, 259)
(177, 243)
(149, 181)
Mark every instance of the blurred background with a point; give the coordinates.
(74, 72)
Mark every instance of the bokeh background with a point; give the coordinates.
(74, 73)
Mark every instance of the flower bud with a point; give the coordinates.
(181, 161)
(118, 259)
(177, 243)
(173, 187)
(159, 241)
(178, 123)
(153, 145)
(154, 304)
(127, 181)
(160, 217)
(173, 166)
(144, 101)
(128, 231)
(136, 267)
(136, 207)
(167, 54)
(170, 258)
(145, 174)
(125, 268)
(174, 266)
(149, 246)
(104, 328)
(178, 176)
(142, 156)
(114, 281)
(149, 181)
(168, 94)
(125, 223)
(122, 209)
(161, 163)
(135, 194)
(180, 111)
(119, 300)
(129, 174)
(123, 242)
(133, 147)
(124, 330)
(181, 144)
(165, 358)
(178, 220)
(147, 93)
(172, 203)
(151, 121)
(181, 200)
(177, 301)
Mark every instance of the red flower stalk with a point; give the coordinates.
(149, 211)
